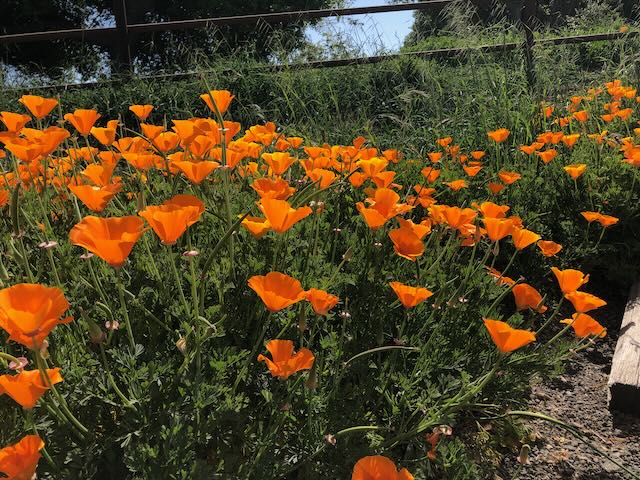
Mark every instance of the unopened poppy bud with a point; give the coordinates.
(312, 203)
(86, 256)
(44, 349)
(95, 332)
(48, 244)
(19, 365)
(377, 244)
(312, 381)
(330, 439)
(347, 255)
(182, 345)
(523, 457)
(191, 253)
(337, 230)
(112, 324)
(344, 315)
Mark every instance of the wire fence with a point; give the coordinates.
(119, 36)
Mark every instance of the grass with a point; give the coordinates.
(181, 394)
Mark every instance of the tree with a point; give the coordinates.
(168, 51)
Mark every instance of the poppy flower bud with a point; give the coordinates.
(191, 253)
(48, 244)
(523, 457)
(377, 244)
(112, 325)
(312, 381)
(96, 334)
(312, 203)
(344, 315)
(19, 365)
(44, 349)
(347, 255)
(330, 439)
(182, 345)
(86, 256)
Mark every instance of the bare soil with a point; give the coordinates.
(579, 397)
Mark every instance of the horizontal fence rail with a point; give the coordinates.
(120, 36)
(108, 34)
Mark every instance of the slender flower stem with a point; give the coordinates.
(176, 275)
(31, 421)
(550, 319)
(125, 311)
(125, 401)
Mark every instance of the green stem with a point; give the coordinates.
(125, 311)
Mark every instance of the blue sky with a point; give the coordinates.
(388, 29)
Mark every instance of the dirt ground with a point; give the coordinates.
(579, 397)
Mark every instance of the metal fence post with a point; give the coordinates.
(122, 48)
(529, 13)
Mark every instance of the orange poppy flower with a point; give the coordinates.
(584, 302)
(4, 197)
(495, 188)
(151, 131)
(166, 141)
(281, 215)
(500, 135)
(575, 170)
(500, 279)
(410, 296)
(383, 207)
(522, 237)
(406, 243)
(284, 362)
(277, 290)
(20, 460)
(547, 155)
(507, 338)
(581, 116)
(27, 387)
(321, 301)
(273, 188)
(585, 325)
(509, 177)
(528, 297)
(95, 198)
(326, 177)
(106, 136)
(497, 228)
(472, 171)
(257, 226)
(444, 142)
(569, 280)
(222, 99)
(456, 217)
(171, 219)
(196, 172)
(430, 173)
(549, 248)
(531, 149)
(478, 154)
(82, 120)
(378, 468)
(141, 111)
(39, 107)
(456, 185)
(435, 157)
(28, 312)
(14, 121)
(278, 161)
(604, 220)
(570, 140)
(109, 238)
(491, 210)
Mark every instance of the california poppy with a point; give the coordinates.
(547, 155)
(106, 136)
(604, 220)
(585, 325)
(378, 468)
(456, 185)
(430, 173)
(382, 207)
(507, 338)
(222, 99)
(499, 278)
(410, 296)
(491, 210)
(28, 312)
(95, 198)
(456, 217)
(273, 188)
(281, 215)
(256, 226)
(569, 280)
(584, 302)
(14, 121)
(196, 172)
(581, 116)
(435, 157)
(406, 243)
(109, 238)
(522, 237)
(495, 187)
(499, 135)
(27, 387)
(278, 161)
(277, 290)
(528, 297)
(321, 301)
(444, 141)
(39, 107)
(575, 170)
(549, 248)
(20, 460)
(284, 362)
(82, 120)
(570, 140)
(141, 111)
(171, 219)
(498, 228)
(509, 177)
